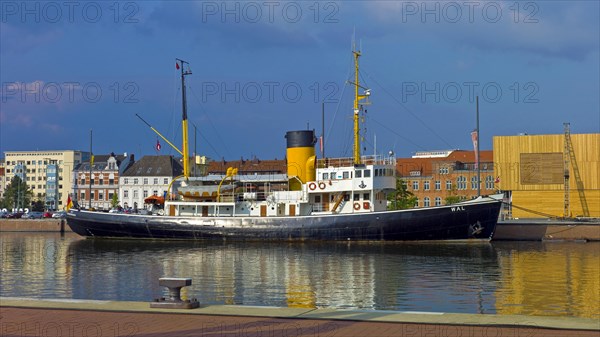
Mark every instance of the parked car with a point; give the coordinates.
(16, 215)
(59, 214)
(32, 215)
(47, 215)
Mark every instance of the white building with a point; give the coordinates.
(151, 175)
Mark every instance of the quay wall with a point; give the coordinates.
(34, 225)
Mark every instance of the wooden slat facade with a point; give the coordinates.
(528, 166)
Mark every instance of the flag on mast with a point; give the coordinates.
(158, 146)
(475, 139)
(69, 203)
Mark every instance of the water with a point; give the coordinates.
(534, 278)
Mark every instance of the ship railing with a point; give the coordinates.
(349, 161)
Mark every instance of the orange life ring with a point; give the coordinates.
(322, 185)
(356, 206)
(366, 205)
(312, 186)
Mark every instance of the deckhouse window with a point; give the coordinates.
(325, 176)
(356, 197)
(345, 175)
(367, 173)
(358, 173)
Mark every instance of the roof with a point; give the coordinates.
(249, 166)
(100, 162)
(155, 166)
(427, 165)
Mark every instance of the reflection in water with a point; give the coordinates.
(504, 278)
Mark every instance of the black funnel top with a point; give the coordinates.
(304, 138)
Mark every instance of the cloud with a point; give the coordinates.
(566, 30)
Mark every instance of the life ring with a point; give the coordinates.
(322, 185)
(312, 186)
(356, 206)
(366, 205)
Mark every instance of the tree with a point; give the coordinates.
(37, 206)
(452, 197)
(114, 202)
(17, 194)
(402, 198)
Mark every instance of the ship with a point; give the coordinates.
(340, 199)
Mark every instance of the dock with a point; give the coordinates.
(547, 230)
(68, 317)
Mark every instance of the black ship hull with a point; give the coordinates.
(469, 220)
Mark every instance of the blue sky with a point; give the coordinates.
(263, 68)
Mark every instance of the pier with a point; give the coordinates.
(68, 317)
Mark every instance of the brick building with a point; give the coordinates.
(432, 176)
(105, 173)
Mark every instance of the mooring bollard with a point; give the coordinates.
(174, 301)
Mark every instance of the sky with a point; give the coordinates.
(261, 68)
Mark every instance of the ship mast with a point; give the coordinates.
(184, 121)
(357, 98)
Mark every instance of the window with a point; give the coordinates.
(438, 185)
(448, 185)
(345, 175)
(82, 196)
(356, 197)
(415, 184)
(155, 181)
(125, 194)
(166, 182)
(426, 202)
(358, 173)
(100, 181)
(461, 183)
(426, 185)
(366, 196)
(125, 181)
(101, 195)
(135, 194)
(145, 181)
(367, 173)
(111, 181)
(145, 194)
(325, 176)
(438, 201)
(110, 196)
(346, 197)
(155, 192)
(473, 183)
(317, 198)
(135, 181)
(489, 183)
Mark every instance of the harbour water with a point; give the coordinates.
(526, 278)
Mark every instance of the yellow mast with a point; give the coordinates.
(357, 99)
(184, 122)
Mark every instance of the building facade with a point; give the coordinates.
(532, 168)
(98, 192)
(3, 181)
(46, 173)
(433, 176)
(151, 175)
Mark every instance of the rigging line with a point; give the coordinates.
(206, 140)
(410, 112)
(337, 108)
(396, 133)
(530, 210)
(210, 122)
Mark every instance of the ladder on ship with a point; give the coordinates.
(338, 201)
(570, 160)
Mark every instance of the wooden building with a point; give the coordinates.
(531, 168)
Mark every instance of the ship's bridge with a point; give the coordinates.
(362, 186)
